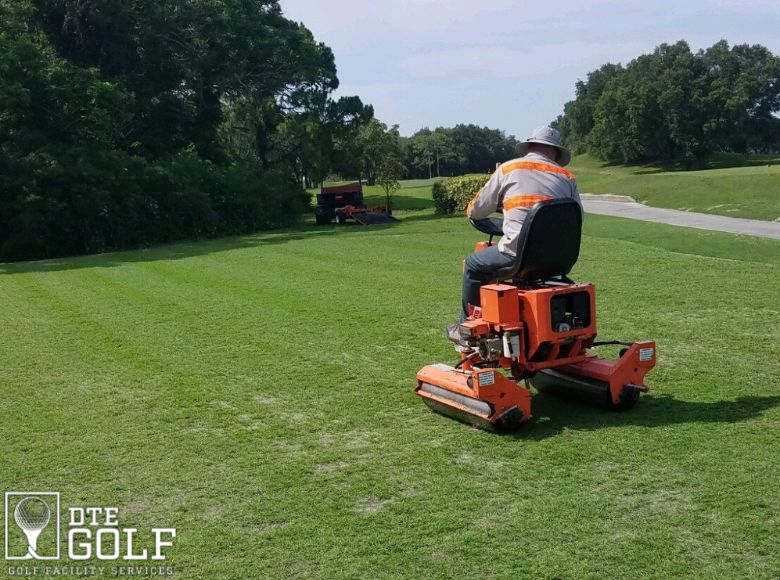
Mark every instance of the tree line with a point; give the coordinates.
(455, 151)
(675, 105)
(128, 123)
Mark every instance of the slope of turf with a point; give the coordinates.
(745, 192)
(256, 393)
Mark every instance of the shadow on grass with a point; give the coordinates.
(182, 250)
(554, 413)
(413, 204)
(723, 161)
(423, 217)
(402, 202)
(195, 248)
(726, 160)
(174, 251)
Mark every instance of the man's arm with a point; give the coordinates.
(487, 200)
(575, 194)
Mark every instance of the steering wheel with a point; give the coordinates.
(491, 226)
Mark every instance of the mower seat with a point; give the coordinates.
(549, 242)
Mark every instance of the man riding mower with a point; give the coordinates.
(521, 312)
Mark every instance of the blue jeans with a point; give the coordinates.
(480, 267)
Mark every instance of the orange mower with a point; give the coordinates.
(538, 325)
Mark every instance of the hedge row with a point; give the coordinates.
(453, 195)
(69, 202)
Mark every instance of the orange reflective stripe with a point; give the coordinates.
(536, 166)
(470, 206)
(472, 202)
(524, 201)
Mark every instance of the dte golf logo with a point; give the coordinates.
(36, 534)
(34, 531)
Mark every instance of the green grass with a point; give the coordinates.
(414, 194)
(752, 191)
(256, 393)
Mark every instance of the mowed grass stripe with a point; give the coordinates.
(76, 403)
(283, 438)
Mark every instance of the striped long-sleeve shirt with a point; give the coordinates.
(516, 186)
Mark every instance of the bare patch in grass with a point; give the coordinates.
(296, 417)
(293, 449)
(265, 400)
(326, 439)
(485, 464)
(215, 512)
(661, 501)
(267, 528)
(212, 431)
(326, 468)
(624, 536)
(370, 505)
(359, 439)
(249, 422)
(138, 506)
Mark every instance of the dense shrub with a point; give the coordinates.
(108, 122)
(453, 195)
(62, 202)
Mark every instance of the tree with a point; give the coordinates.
(631, 122)
(458, 150)
(578, 117)
(391, 165)
(184, 60)
(742, 97)
(442, 148)
(674, 105)
(319, 137)
(432, 148)
(347, 119)
(480, 148)
(420, 153)
(380, 152)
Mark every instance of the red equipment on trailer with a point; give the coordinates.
(343, 202)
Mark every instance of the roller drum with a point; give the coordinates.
(583, 388)
(471, 411)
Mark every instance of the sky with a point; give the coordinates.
(506, 64)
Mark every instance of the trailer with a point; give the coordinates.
(345, 202)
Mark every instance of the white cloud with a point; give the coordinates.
(431, 21)
(506, 63)
(502, 62)
(751, 6)
(386, 98)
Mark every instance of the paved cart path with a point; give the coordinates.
(627, 208)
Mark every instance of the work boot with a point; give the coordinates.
(452, 332)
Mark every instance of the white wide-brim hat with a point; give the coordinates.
(546, 136)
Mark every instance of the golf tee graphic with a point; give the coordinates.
(32, 526)
(35, 531)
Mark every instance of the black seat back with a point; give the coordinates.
(549, 241)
